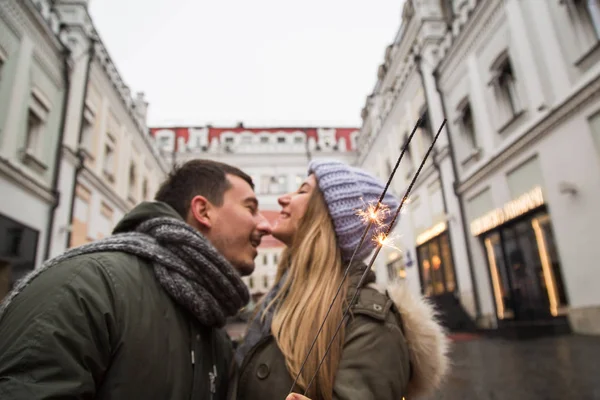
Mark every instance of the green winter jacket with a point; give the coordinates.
(394, 348)
(100, 326)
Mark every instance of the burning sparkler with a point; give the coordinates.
(380, 244)
(387, 241)
(374, 212)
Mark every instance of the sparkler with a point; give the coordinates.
(377, 250)
(371, 217)
(374, 213)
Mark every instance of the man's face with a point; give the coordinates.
(237, 226)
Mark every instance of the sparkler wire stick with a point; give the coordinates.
(377, 250)
(362, 239)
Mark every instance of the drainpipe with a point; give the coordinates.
(80, 156)
(66, 53)
(461, 208)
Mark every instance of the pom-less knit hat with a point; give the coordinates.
(346, 190)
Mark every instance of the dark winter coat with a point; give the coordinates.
(100, 326)
(394, 347)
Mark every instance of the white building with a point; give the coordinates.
(275, 158)
(33, 89)
(519, 82)
(521, 87)
(429, 236)
(109, 162)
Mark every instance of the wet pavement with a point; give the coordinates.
(564, 367)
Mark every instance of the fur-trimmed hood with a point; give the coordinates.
(427, 340)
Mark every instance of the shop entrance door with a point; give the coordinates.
(525, 270)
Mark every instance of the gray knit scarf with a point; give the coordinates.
(185, 263)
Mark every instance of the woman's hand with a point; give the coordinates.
(296, 396)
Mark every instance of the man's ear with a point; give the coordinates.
(200, 213)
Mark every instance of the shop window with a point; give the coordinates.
(18, 247)
(396, 269)
(436, 266)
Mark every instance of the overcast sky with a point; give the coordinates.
(263, 62)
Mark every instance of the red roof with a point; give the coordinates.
(183, 132)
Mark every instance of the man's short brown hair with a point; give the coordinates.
(198, 178)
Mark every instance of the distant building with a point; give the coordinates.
(275, 158)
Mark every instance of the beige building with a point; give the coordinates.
(33, 87)
(109, 162)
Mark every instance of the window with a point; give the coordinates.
(298, 140)
(36, 120)
(34, 132)
(282, 181)
(585, 15)
(264, 139)
(396, 269)
(132, 182)
(265, 259)
(504, 85)
(408, 159)
(467, 125)
(425, 127)
(229, 140)
(275, 258)
(109, 162)
(246, 140)
(17, 251)
(281, 139)
(87, 133)
(251, 282)
(145, 189)
(2, 61)
(265, 281)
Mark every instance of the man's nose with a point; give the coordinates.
(263, 226)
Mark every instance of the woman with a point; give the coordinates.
(390, 347)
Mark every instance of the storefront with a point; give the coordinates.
(18, 244)
(436, 265)
(523, 262)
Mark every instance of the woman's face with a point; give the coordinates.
(293, 207)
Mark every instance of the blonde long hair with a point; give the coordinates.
(315, 270)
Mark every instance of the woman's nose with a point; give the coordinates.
(284, 200)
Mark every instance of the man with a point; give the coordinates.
(137, 315)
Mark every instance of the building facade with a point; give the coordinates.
(275, 158)
(109, 163)
(33, 89)
(75, 153)
(519, 161)
(428, 239)
(521, 89)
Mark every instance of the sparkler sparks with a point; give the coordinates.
(373, 213)
(387, 241)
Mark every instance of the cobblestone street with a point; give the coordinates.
(565, 367)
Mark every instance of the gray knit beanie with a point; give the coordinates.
(347, 189)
